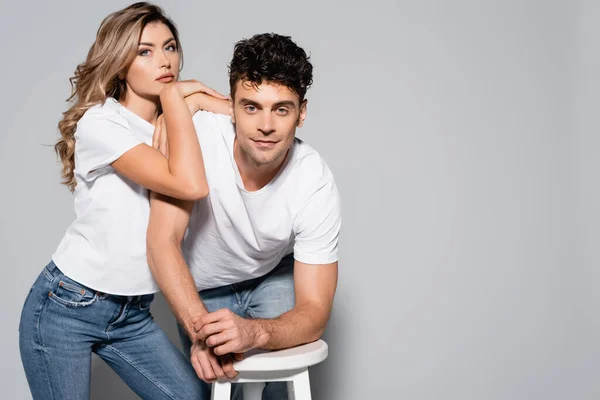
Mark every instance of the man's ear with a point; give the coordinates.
(302, 113)
(231, 109)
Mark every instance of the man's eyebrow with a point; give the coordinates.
(152, 45)
(247, 102)
(285, 103)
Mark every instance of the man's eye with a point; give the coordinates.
(250, 108)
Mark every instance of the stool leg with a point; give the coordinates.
(253, 390)
(221, 391)
(290, 390)
(301, 384)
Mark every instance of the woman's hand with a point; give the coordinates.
(203, 101)
(189, 87)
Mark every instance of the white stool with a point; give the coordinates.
(289, 365)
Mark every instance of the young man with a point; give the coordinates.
(262, 247)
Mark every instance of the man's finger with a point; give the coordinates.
(197, 367)
(227, 364)
(207, 370)
(216, 366)
(210, 318)
(220, 338)
(211, 329)
(231, 346)
(238, 356)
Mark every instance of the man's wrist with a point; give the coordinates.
(261, 334)
(189, 319)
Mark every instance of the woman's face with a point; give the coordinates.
(156, 64)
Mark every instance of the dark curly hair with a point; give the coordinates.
(271, 57)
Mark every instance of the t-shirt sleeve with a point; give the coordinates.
(317, 227)
(99, 141)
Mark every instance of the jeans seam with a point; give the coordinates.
(41, 346)
(140, 370)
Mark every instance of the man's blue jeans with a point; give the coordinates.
(266, 297)
(63, 322)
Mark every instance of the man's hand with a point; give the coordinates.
(225, 332)
(208, 366)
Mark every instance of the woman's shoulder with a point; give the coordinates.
(100, 114)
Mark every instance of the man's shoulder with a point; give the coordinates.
(307, 161)
(207, 120)
(308, 169)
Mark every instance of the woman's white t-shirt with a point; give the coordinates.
(105, 247)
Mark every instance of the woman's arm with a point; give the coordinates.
(203, 101)
(181, 175)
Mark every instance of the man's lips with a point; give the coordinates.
(264, 143)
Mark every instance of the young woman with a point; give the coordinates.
(95, 294)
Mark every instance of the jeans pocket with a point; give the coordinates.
(69, 293)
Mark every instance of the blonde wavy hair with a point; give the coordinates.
(102, 75)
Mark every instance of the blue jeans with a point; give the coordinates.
(63, 322)
(266, 297)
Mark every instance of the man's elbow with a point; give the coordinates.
(322, 314)
(317, 334)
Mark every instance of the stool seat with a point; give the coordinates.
(260, 366)
(282, 360)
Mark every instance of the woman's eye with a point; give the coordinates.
(144, 52)
(171, 47)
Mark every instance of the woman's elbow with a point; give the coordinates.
(195, 192)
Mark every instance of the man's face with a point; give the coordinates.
(265, 120)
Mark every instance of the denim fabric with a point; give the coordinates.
(63, 322)
(266, 297)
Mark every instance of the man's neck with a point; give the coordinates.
(255, 177)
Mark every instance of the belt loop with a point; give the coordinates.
(53, 269)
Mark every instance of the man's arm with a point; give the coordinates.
(315, 287)
(169, 219)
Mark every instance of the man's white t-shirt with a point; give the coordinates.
(235, 235)
(105, 247)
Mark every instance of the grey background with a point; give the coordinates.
(464, 142)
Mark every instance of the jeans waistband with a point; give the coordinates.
(53, 269)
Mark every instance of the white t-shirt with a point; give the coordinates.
(235, 235)
(105, 247)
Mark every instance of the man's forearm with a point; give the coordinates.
(173, 276)
(302, 324)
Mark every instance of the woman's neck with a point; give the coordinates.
(147, 108)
